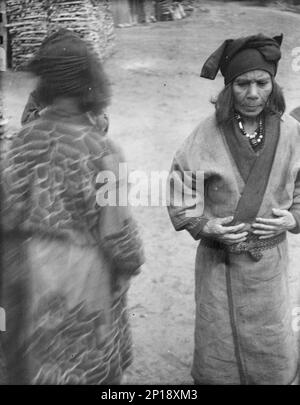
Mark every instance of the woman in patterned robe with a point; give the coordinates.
(66, 260)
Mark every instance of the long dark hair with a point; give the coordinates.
(224, 103)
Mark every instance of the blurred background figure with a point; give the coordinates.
(67, 261)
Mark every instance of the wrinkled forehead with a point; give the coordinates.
(254, 75)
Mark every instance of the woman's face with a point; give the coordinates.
(251, 91)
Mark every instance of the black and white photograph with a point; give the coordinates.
(150, 194)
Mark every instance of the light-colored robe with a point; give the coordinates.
(243, 331)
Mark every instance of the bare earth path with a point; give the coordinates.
(158, 98)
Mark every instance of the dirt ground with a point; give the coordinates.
(158, 98)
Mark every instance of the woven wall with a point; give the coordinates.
(29, 21)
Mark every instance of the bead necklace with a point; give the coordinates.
(257, 137)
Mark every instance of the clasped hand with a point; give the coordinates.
(269, 227)
(216, 229)
(263, 227)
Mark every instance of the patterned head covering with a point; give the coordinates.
(238, 56)
(62, 60)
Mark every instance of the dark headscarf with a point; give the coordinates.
(238, 56)
(62, 60)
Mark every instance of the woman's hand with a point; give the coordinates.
(122, 281)
(228, 235)
(267, 227)
(121, 285)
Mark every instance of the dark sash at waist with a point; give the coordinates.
(252, 245)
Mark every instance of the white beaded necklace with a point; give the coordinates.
(257, 136)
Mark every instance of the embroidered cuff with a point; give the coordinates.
(195, 227)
